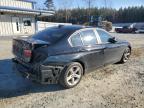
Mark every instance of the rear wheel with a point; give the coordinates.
(71, 75)
(126, 55)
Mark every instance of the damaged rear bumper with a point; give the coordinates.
(39, 73)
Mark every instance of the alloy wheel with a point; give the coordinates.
(74, 75)
(126, 55)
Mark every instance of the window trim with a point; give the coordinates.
(73, 36)
(69, 39)
(79, 32)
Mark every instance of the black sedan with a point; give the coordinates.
(64, 54)
(125, 29)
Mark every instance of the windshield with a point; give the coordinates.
(52, 35)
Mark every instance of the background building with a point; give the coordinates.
(18, 17)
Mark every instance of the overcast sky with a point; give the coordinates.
(98, 3)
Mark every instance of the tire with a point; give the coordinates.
(71, 75)
(126, 55)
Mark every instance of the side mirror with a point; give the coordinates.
(112, 40)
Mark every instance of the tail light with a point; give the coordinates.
(27, 53)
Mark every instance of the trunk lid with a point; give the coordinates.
(24, 49)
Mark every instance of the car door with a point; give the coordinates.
(86, 43)
(113, 51)
(94, 52)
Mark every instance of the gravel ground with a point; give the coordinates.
(114, 86)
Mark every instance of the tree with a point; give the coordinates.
(66, 5)
(49, 5)
(89, 3)
(105, 3)
(79, 15)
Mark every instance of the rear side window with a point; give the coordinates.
(104, 36)
(89, 37)
(76, 40)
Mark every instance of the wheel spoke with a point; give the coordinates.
(71, 70)
(69, 78)
(73, 80)
(77, 76)
(126, 58)
(126, 55)
(77, 69)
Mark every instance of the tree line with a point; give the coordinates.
(92, 14)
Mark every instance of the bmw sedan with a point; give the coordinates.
(63, 54)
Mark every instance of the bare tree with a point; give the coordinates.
(66, 5)
(105, 3)
(89, 4)
(108, 3)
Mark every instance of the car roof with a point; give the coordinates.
(77, 27)
(72, 27)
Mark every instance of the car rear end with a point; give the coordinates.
(32, 55)
(29, 56)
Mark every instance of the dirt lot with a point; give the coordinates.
(114, 86)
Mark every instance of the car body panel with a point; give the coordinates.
(91, 57)
(113, 52)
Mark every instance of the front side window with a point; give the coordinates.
(76, 40)
(88, 37)
(104, 36)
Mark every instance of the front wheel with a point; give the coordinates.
(126, 55)
(71, 75)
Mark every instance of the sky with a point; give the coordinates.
(97, 3)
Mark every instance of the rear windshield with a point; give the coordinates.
(52, 35)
